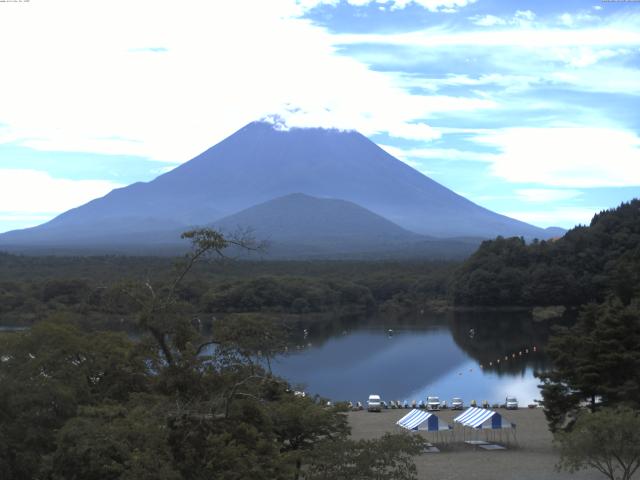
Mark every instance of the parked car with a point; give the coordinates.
(433, 403)
(511, 403)
(374, 404)
(456, 404)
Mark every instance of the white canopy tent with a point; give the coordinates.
(420, 420)
(482, 419)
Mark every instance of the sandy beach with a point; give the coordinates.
(532, 458)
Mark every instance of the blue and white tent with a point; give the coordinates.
(489, 421)
(421, 420)
(482, 418)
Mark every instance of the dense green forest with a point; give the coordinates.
(91, 289)
(585, 265)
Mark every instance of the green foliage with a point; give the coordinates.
(115, 441)
(289, 294)
(91, 291)
(177, 403)
(607, 440)
(585, 265)
(47, 374)
(597, 358)
(391, 456)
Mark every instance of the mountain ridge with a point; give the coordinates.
(259, 163)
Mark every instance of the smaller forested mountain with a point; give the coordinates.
(302, 226)
(585, 265)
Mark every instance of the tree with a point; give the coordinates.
(596, 361)
(255, 337)
(390, 456)
(607, 440)
(47, 374)
(115, 441)
(301, 422)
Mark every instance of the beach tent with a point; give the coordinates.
(420, 420)
(482, 419)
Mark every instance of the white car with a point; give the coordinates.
(374, 404)
(511, 403)
(457, 404)
(433, 403)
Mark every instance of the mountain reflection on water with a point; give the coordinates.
(428, 355)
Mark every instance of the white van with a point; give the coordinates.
(511, 403)
(433, 403)
(374, 404)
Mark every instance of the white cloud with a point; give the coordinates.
(583, 56)
(610, 79)
(577, 19)
(447, 6)
(566, 217)
(522, 18)
(438, 154)
(510, 83)
(542, 195)
(18, 217)
(33, 194)
(414, 131)
(487, 20)
(607, 35)
(565, 156)
(166, 92)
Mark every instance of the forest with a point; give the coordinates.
(90, 289)
(146, 368)
(585, 265)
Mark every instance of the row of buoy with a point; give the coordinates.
(513, 356)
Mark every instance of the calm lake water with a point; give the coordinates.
(447, 355)
(442, 355)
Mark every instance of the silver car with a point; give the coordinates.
(457, 404)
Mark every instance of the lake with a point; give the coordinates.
(443, 355)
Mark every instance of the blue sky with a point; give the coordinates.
(526, 108)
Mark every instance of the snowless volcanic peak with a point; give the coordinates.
(263, 161)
